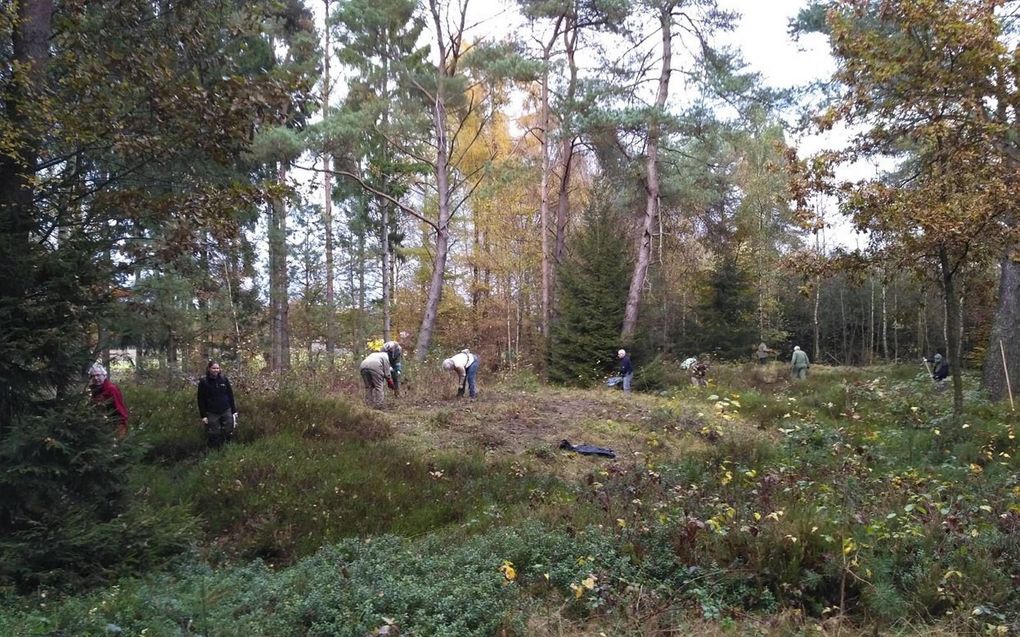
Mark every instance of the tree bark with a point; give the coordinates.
(817, 326)
(885, 325)
(442, 168)
(327, 204)
(1005, 330)
(648, 225)
(543, 206)
(387, 290)
(567, 140)
(952, 329)
(278, 280)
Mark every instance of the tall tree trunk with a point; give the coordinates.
(648, 226)
(205, 316)
(868, 343)
(896, 324)
(567, 140)
(922, 326)
(360, 312)
(817, 330)
(1005, 330)
(327, 201)
(387, 293)
(386, 269)
(442, 168)
(278, 280)
(885, 325)
(842, 312)
(543, 206)
(952, 329)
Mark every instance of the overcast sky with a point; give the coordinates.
(761, 34)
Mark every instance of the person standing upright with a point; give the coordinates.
(216, 406)
(799, 363)
(104, 392)
(626, 369)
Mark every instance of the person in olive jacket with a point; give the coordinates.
(216, 406)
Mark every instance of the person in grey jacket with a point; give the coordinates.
(799, 363)
(375, 371)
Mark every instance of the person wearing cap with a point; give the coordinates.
(626, 369)
(104, 392)
(941, 369)
(799, 362)
(375, 371)
(396, 356)
(466, 365)
(216, 406)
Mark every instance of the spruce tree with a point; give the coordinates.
(728, 329)
(593, 293)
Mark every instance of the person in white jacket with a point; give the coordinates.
(466, 365)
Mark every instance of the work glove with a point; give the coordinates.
(460, 391)
(235, 419)
(205, 421)
(389, 383)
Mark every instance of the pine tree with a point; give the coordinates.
(593, 285)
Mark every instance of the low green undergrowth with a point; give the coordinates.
(485, 585)
(849, 497)
(841, 496)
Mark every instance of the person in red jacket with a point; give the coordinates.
(106, 393)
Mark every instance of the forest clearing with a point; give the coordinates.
(509, 317)
(845, 504)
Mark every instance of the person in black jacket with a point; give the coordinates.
(216, 406)
(941, 369)
(626, 369)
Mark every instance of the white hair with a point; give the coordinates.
(622, 353)
(448, 364)
(796, 348)
(97, 370)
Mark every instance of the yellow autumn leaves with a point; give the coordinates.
(509, 573)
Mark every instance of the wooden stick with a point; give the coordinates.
(929, 372)
(1005, 370)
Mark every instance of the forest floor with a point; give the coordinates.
(847, 504)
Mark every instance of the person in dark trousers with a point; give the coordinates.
(106, 393)
(940, 371)
(396, 355)
(626, 369)
(216, 406)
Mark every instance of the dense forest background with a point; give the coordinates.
(166, 164)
